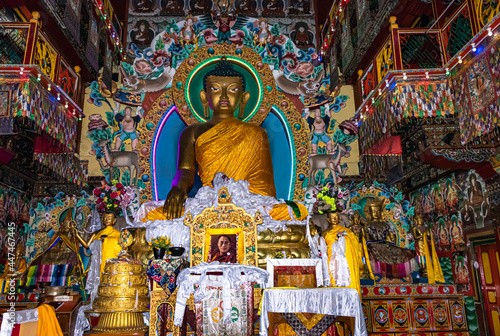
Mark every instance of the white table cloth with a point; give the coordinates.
(330, 301)
(23, 316)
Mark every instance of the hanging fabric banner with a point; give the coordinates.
(92, 49)
(72, 18)
(107, 73)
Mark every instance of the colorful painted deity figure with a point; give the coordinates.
(443, 234)
(317, 114)
(476, 197)
(451, 195)
(302, 36)
(462, 274)
(263, 35)
(439, 205)
(468, 214)
(189, 33)
(427, 204)
(457, 241)
(128, 126)
(142, 35)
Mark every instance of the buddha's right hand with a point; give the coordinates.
(173, 205)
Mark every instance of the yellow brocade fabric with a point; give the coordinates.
(352, 254)
(110, 244)
(47, 322)
(281, 212)
(241, 151)
(437, 271)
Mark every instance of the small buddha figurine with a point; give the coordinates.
(223, 143)
(63, 246)
(19, 264)
(110, 239)
(383, 244)
(419, 231)
(360, 231)
(352, 254)
(378, 229)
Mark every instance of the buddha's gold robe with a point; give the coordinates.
(241, 151)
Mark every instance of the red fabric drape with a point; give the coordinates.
(390, 146)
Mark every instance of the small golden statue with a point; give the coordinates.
(222, 144)
(419, 231)
(19, 267)
(352, 251)
(109, 236)
(383, 241)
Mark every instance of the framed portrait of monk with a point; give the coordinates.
(224, 245)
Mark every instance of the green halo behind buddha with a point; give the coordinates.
(223, 143)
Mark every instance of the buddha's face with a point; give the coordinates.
(333, 218)
(109, 219)
(375, 212)
(224, 94)
(224, 244)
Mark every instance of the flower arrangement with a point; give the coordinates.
(114, 197)
(160, 242)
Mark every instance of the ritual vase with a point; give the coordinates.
(159, 252)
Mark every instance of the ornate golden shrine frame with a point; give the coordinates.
(225, 216)
(272, 99)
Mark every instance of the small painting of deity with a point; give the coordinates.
(461, 273)
(4, 103)
(273, 7)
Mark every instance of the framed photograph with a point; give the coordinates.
(304, 273)
(4, 103)
(223, 248)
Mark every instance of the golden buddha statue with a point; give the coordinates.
(63, 247)
(352, 251)
(383, 242)
(419, 233)
(19, 266)
(110, 238)
(222, 144)
(360, 231)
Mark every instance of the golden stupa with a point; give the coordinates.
(122, 297)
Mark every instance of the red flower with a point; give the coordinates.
(114, 194)
(119, 186)
(99, 200)
(97, 191)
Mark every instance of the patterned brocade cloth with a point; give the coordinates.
(328, 301)
(165, 272)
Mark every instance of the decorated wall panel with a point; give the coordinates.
(476, 94)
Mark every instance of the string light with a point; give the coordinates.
(474, 47)
(373, 100)
(367, 108)
(58, 96)
(386, 83)
(404, 75)
(427, 74)
(447, 71)
(379, 92)
(459, 59)
(66, 105)
(49, 87)
(21, 71)
(490, 33)
(39, 77)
